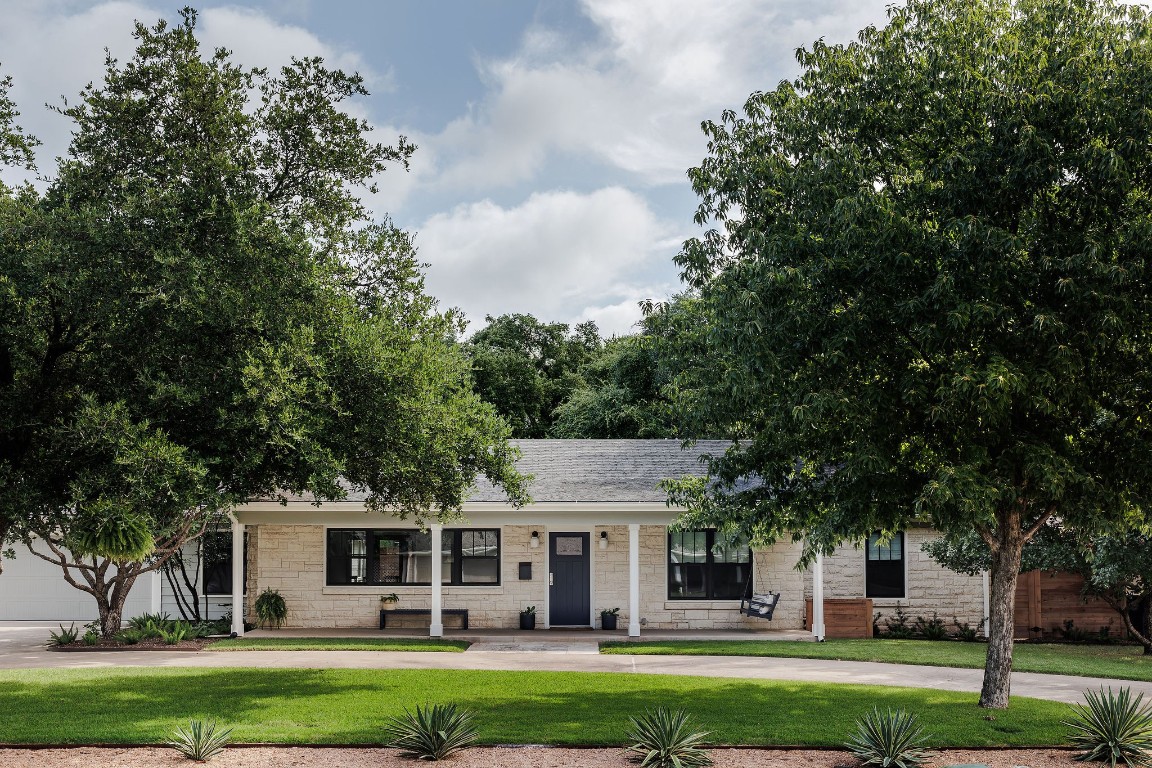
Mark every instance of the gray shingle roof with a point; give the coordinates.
(602, 470)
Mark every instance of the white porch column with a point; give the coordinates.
(633, 580)
(436, 628)
(818, 599)
(237, 576)
(986, 589)
(157, 596)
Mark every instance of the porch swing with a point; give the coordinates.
(757, 606)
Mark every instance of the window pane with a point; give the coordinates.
(686, 580)
(216, 550)
(480, 570)
(417, 558)
(884, 567)
(728, 580)
(731, 549)
(346, 559)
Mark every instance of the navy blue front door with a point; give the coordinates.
(569, 603)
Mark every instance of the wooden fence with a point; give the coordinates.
(1047, 599)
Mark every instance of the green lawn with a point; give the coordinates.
(143, 705)
(1125, 662)
(338, 644)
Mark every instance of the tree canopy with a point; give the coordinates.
(927, 297)
(200, 310)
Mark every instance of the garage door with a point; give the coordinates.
(34, 590)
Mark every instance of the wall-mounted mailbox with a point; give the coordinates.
(525, 571)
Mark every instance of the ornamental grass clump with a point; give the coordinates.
(1113, 727)
(888, 739)
(201, 741)
(662, 739)
(432, 733)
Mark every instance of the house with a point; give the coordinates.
(596, 536)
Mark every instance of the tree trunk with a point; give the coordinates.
(1006, 557)
(111, 598)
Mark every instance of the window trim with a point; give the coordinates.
(709, 563)
(454, 571)
(903, 566)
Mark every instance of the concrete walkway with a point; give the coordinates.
(23, 647)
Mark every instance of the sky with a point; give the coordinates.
(554, 136)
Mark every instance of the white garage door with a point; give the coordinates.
(34, 590)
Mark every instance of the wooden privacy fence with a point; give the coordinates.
(1048, 599)
(843, 617)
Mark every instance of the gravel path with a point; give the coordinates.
(494, 757)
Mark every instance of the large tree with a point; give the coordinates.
(199, 310)
(928, 298)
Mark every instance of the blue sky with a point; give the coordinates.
(554, 135)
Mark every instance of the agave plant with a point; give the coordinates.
(1113, 727)
(201, 741)
(662, 739)
(890, 739)
(432, 733)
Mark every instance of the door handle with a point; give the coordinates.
(550, 582)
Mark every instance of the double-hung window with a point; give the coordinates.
(707, 565)
(884, 566)
(369, 556)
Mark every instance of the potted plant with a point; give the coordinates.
(528, 618)
(271, 610)
(608, 618)
(388, 602)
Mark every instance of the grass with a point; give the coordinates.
(350, 706)
(338, 644)
(1123, 662)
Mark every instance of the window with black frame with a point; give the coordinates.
(884, 566)
(216, 556)
(468, 556)
(707, 565)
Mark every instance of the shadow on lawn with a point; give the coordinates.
(350, 706)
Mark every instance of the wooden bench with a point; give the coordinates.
(461, 612)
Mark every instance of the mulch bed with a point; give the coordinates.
(143, 645)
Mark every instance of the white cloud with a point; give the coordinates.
(559, 255)
(635, 98)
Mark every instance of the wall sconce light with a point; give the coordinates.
(534, 540)
(603, 539)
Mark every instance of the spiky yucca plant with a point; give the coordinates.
(201, 741)
(662, 740)
(888, 739)
(432, 733)
(1113, 727)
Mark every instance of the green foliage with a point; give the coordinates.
(889, 738)
(64, 636)
(897, 626)
(16, 148)
(661, 739)
(926, 290)
(528, 611)
(176, 634)
(610, 612)
(930, 628)
(1113, 727)
(965, 632)
(200, 310)
(91, 637)
(434, 732)
(130, 636)
(201, 741)
(271, 610)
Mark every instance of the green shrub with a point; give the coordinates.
(897, 627)
(1113, 727)
(965, 632)
(661, 739)
(930, 629)
(271, 610)
(91, 637)
(201, 741)
(64, 636)
(432, 733)
(178, 632)
(888, 739)
(129, 636)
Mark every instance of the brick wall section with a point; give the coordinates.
(928, 586)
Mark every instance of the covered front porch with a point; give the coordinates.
(568, 562)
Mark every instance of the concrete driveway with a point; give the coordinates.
(23, 647)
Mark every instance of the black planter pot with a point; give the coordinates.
(527, 621)
(608, 621)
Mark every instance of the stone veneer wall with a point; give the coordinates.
(928, 585)
(290, 558)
